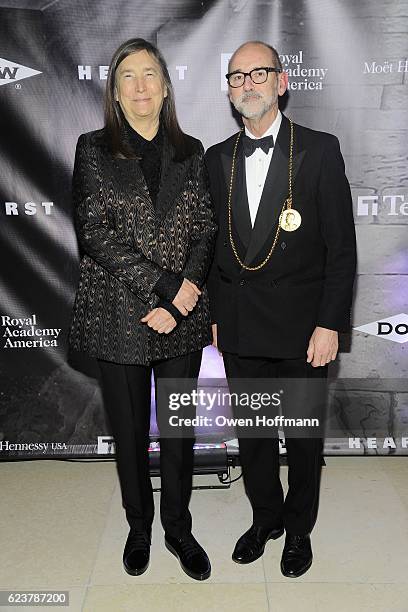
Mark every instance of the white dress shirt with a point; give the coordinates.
(257, 166)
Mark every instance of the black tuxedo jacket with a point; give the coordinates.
(308, 280)
(128, 243)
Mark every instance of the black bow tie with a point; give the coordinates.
(252, 144)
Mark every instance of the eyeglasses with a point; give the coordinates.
(257, 76)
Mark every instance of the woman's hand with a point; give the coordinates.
(160, 320)
(187, 297)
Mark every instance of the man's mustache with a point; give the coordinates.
(249, 95)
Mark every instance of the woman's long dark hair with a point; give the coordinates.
(114, 118)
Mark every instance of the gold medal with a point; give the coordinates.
(290, 220)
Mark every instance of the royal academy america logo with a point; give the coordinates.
(11, 72)
(392, 328)
(302, 74)
(24, 332)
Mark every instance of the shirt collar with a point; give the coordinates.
(272, 130)
(138, 143)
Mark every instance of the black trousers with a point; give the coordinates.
(127, 399)
(260, 456)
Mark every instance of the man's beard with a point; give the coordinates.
(266, 103)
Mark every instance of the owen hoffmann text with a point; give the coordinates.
(23, 333)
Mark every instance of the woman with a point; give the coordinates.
(145, 224)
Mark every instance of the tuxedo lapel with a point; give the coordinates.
(275, 191)
(239, 201)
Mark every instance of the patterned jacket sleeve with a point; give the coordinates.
(204, 227)
(96, 237)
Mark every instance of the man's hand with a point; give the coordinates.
(160, 320)
(323, 346)
(187, 297)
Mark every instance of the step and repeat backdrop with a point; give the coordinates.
(347, 63)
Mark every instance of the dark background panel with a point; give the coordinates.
(352, 85)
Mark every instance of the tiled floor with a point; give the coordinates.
(63, 527)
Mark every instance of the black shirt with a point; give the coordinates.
(150, 154)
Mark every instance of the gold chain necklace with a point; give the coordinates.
(287, 207)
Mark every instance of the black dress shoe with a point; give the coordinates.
(251, 545)
(136, 555)
(297, 555)
(193, 558)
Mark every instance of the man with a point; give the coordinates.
(281, 283)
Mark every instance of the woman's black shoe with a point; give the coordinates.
(136, 555)
(193, 558)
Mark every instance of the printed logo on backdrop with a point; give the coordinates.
(393, 328)
(30, 447)
(14, 209)
(391, 205)
(24, 333)
(388, 442)
(302, 76)
(10, 72)
(386, 67)
(86, 73)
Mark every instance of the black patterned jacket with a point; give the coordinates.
(127, 244)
